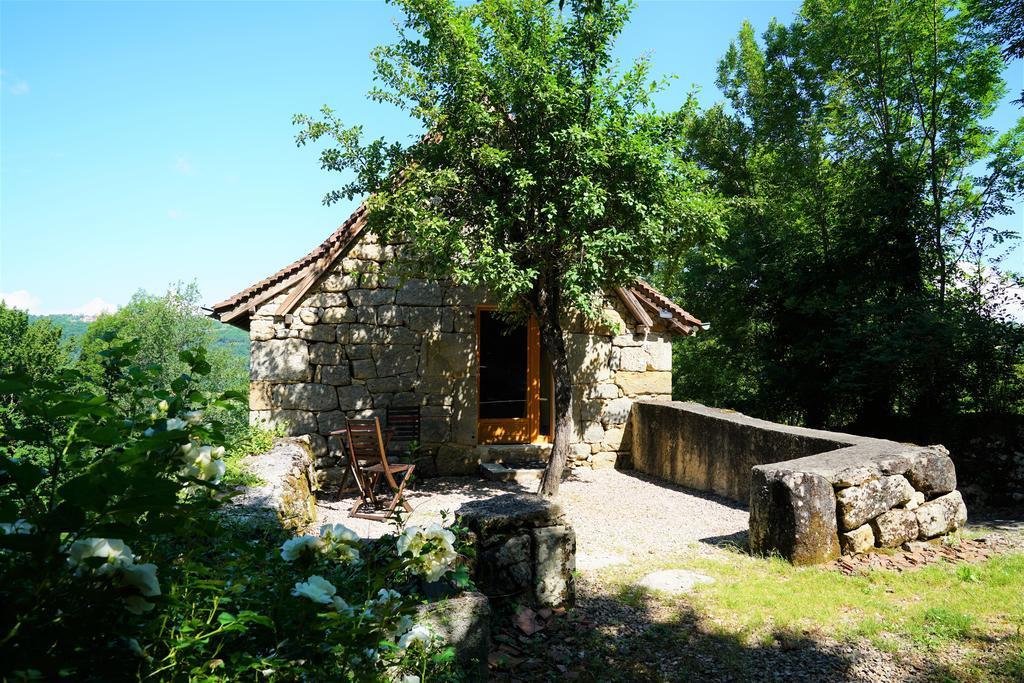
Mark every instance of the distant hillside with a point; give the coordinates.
(74, 326)
(71, 326)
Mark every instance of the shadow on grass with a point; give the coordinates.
(631, 635)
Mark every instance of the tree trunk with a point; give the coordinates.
(547, 304)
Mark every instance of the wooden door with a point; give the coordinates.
(508, 380)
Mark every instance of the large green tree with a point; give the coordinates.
(163, 326)
(857, 280)
(545, 173)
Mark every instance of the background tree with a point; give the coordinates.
(545, 173)
(164, 326)
(858, 283)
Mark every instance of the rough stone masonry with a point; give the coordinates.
(360, 342)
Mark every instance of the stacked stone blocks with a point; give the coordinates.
(360, 341)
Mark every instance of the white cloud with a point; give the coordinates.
(94, 306)
(184, 166)
(174, 214)
(21, 299)
(19, 88)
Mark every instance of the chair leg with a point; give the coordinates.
(399, 490)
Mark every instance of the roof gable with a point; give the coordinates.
(641, 299)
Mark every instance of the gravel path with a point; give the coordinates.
(618, 516)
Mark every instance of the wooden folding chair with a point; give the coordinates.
(404, 426)
(369, 463)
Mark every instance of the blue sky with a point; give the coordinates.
(145, 143)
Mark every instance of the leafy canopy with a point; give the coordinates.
(540, 157)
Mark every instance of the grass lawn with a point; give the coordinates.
(965, 621)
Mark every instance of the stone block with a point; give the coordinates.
(371, 297)
(420, 293)
(396, 360)
(860, 540)
(942, 515)
(603, 392)
(895, 527)
(593, 433)
(364, 369)
(915, 501)
(398, 336)
(660, 353)
(854, 476)
(366, 316)
(259, 396)
(793, 514)
(383, 385)
(261, 330)
(464, 623)
(932, 473)
(615, 411)
(326, 300)
(424, 318)
(330, 421)
(590, 357)
(338, 282)
(338, 314)
(319, 333)
(309, 316)
(390, 314)
(359, 351)
(354, 397)
(613, 439)
(554, 563)
(294, 422)
(644, 383)
(304, 396)
(326, 354)
(858, 504)
(361, 334)
(335, 374)
(628, 340)
(287, 491)
(630, 359)
(502, 514)
(280, 360)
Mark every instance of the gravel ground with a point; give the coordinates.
(618, 516)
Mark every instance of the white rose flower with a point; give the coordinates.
(339, 532)
(316, 588)
(346, 553)
(294, 547)
(149, 432)
(417, 634)
(143, 578)
(434, 562)
(403, 625)
(113, 550)
(137, 604)
(213, 471)
(175, 423)
(410, 678)
(162, 406)
(18, 526)
(342, 607)
(193, 417)
(218, 452)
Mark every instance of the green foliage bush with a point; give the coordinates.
(117, 563)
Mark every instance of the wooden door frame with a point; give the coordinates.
(518, 430)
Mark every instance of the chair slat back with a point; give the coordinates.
(404, 424)
(365, 442)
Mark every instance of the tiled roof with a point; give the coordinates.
(639, 298)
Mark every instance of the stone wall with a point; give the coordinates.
(710, 449)
(813, 494)
(360, 341)
(525, 549)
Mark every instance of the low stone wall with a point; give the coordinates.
(710, 449)
(525, 549)
(287, 492)
(813, 494)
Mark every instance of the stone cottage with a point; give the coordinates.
(333, 336)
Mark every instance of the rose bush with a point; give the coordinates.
(116, 563)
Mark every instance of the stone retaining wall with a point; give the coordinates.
(360, 341)
(813, 494)
(525, 549)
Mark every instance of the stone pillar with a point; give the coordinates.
(526, 550)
